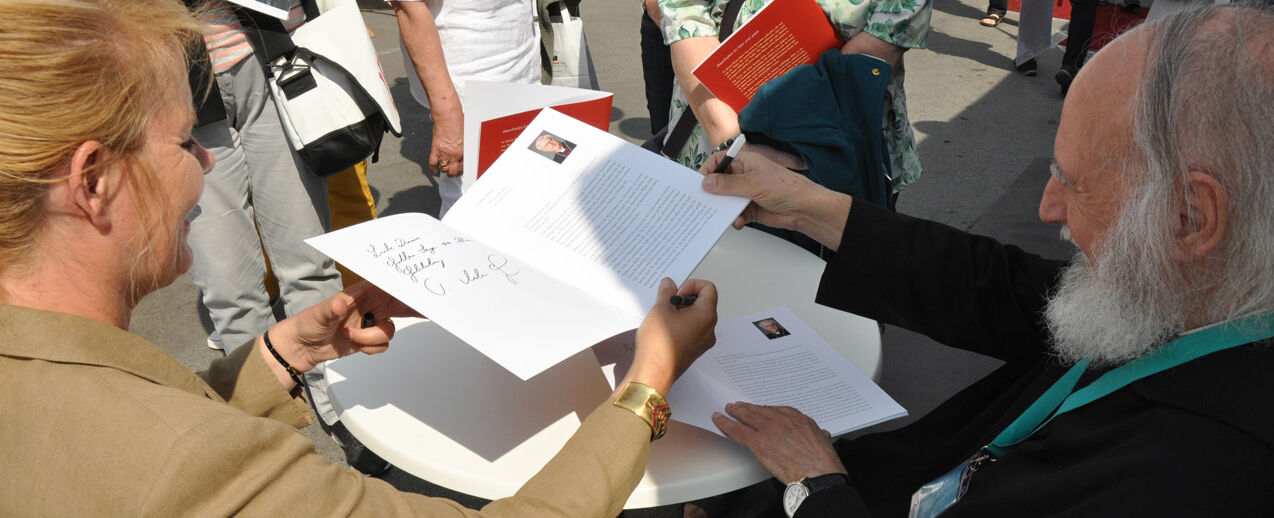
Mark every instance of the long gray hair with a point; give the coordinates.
(1207, 104)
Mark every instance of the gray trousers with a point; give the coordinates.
(258, 184)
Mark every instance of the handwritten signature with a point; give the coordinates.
(470, 275)
(496, 263)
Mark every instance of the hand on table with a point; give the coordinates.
(446, 153)
(333, 328)
(671, 338)
(788, 443)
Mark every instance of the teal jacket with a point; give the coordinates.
(830, 114)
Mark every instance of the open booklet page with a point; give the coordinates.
(769, 358)
(595, 211)
(561, 245)
(512, 313)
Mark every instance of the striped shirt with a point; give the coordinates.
(227, 44)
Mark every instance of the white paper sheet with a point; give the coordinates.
(544, 258)
(798, 369)
(511, 312)
(611, 217)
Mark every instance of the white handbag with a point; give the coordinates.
(331, 94)
(572, 62)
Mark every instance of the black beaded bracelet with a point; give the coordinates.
(295, 374)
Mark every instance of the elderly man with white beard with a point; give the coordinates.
(1138, 378)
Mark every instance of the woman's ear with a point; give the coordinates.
(1204, 215)
(92, 182)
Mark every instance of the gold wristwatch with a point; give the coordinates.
(651, 407)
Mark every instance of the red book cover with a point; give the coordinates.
(782, 35)
(497, 134)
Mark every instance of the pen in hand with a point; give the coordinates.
(724, 166)
(369, 320)
(678, 300)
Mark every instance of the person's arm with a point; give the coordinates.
(652, 9)
(717, 118)
(865, 43)
(890, 29)
(780, 198)
(690, 30)
(792, 447)
(424, 47)
(275, 471)
(962, 290)
(254, 381)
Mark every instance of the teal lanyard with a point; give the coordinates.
(1062, 396)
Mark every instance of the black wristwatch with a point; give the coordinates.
(796, 492)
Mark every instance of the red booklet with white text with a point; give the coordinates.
(782, 35)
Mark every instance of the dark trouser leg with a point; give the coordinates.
(656, 69)
(1080, 34)
(997, 6)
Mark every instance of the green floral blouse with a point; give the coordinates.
(904, 23)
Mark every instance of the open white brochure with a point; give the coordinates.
(487, 100)
(561, 245)
(771, 358)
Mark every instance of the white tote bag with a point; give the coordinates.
(332, 96)
(572, 63)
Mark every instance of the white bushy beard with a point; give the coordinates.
(1129, 304)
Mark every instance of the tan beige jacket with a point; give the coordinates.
(95, 421)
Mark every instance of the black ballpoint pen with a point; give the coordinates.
(678, 300)
(724, 166)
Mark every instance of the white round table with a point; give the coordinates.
(438, 409)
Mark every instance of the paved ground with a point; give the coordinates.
(984, 137)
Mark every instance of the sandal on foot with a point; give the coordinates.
(992, 19)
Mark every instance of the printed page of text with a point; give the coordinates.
(594, 211)
(774, 358)
(519, 317)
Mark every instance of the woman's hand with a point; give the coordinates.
(652, 9)
(334, 328)
(446, 153)
(672, 337)
(780, 197)
(788, 443)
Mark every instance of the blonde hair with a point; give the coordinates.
(72, 71)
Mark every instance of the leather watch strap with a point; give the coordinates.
(830, 480)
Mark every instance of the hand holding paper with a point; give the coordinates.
(560, 245)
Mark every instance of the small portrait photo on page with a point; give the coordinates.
(771, 328)
(551, 146)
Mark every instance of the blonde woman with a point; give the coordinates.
(98, 174)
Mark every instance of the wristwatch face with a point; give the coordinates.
(793, 496)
